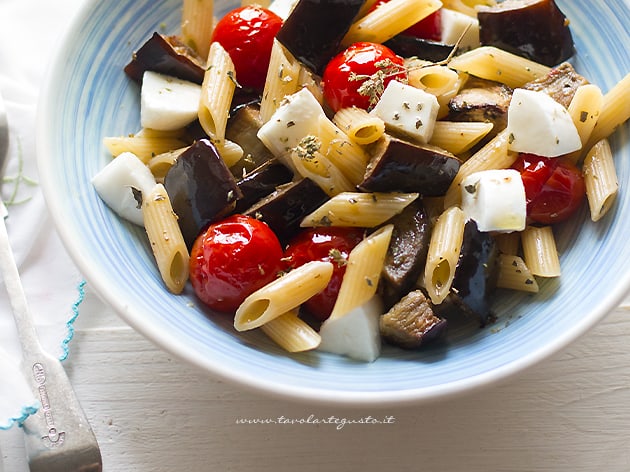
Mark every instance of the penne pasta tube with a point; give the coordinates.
(230, 152)
(359, 209)
(197, 25)
(494, 155)
(217, 89)
(282, 295)
(615, 111)
(515, 275)
(389, 19)
(584, 109)
(359, 125)
(508, 243)
(444, 249)
(434, 79)
(539, 251)
(292, 333)
(495, 64)
(167, 242)
(458, 137)
(160, 164)
(145, 147)
(313, 164)
(282, 80)
(365, 264)
(600, 179)
(468, 7)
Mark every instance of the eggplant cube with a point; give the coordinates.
(408, 110)
(495, 200)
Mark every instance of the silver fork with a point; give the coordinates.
(58, 437)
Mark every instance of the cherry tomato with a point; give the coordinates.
(233, 258)
(341, 86)
(323, 244)
(247, 34)
(428, 28)
(554, 187)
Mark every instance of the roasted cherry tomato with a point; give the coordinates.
(247, 34)
(554, 187)
(323, 244)
(233, 258)
(349, 70)
(428, 28)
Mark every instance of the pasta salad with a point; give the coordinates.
(343, 175)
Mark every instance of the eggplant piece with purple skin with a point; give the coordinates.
(534, 29)
(261, 182)
(166, 55)
(411, 323)
(407, 252)
(284, 209)
(560, 83)
(314, 30)
(201, 188)
(476, 273)
(412, 46)
(401, 166)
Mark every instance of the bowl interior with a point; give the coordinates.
(87, 97)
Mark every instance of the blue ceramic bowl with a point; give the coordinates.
(87, 97)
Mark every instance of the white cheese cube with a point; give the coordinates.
(115, 181)
(355, 334)
(298, 116)
(495, 200)
(454, 24)
(537, 124)
(408, 110)
(167, 103)
(282, 8)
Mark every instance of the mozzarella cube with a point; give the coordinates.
(282, 8)
(408, 110)
(495, 200)
(537, 124)
(298, 116)
(355, 334)
(167, 103)
(454, 24)
(115, 181)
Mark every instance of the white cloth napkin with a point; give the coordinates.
(29, 32)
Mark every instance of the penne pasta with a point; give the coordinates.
(508, 243)
(145, 147)
(515, 275)
(160, 164)
(389, 19)
(458, 137)
(444, 249)
(359, 125)
(468, 7)
(495, 64)
(434, 79)
(539, 251)
(282, 80)
(167, 242)
(292, 333)
(615, 111)
(282, 295)
(365, 264)
(357, 209)
(494, 155)
(197, 25)
(311, 163)
(600, 179)
(217, 89)
(584, 109)
(229, 151)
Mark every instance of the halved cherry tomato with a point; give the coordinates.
(428, 28)
(232, 259)
(247, 34)
(349, 70)
(554, 187)
(323, 244)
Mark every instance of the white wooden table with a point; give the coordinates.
(152, 413)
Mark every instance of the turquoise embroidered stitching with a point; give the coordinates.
(70, 322)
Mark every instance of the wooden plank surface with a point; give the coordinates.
(152, 413)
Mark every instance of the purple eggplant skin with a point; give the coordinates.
(412, 46)
(166, 55)
(201, 188)
(534, 29)
(314, 30)
(476, 273)
(284, 209)
(401, 166)
(261, 182)
(407, 252)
